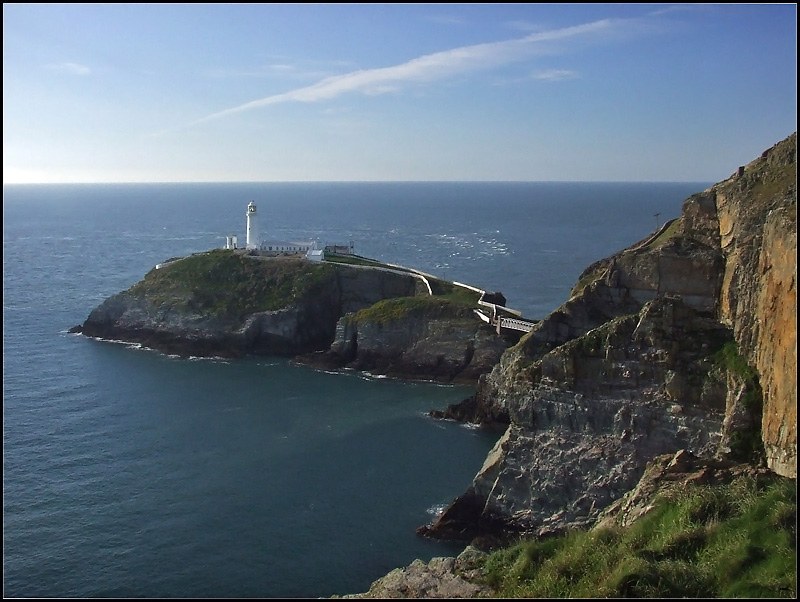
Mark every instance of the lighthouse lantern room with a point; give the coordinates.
(252, 226)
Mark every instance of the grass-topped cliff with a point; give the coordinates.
(684, 344)
(395, 310)
(448, 300)
(223, 282)
(225, 302)
(697, 541)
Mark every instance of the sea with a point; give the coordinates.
(128, 473)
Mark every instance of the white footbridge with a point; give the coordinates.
(495, 319)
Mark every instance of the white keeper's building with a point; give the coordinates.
(270, 247)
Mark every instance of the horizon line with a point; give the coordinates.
(164, 182)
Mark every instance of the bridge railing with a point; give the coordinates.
(516, 324)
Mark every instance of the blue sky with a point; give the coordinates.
(394, 92)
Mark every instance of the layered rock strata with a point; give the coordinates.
(686, 340)
(434, 340)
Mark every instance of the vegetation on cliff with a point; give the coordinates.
(225, 283)
(450, 304)
(771, 177)
(733, 540)
(746, 441)
(395, 310)
(615, 370)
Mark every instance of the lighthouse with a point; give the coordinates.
(252, 226)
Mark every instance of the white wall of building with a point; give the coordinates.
(252, 226)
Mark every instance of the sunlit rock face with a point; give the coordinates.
(448, 345)
(629, 367)
(757, 212)
(588, 415)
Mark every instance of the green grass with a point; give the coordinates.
(439, 288)
(585, 281)
(735, 540)
(673, 230)
(729, 358)
(454, 293)
(394, 310)
(778, 181)
(223, 283)
(746, 444)
(354, 260)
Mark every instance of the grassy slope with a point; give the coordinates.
(221, 282)
(736, 540)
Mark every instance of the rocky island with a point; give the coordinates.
(343, 312)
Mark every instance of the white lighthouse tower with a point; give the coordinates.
(252, 226)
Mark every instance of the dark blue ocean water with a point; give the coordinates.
(128, 473)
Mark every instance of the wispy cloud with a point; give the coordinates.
(674, 8)
(283, 67)
(446, 20)
(71, 68)
(436, 66)
(263, 71)
(554, 74)
(524, 26)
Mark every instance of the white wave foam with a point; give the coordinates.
(127, 344)
(436, 510)
(210, 358)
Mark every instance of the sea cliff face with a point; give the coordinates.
(422, 338)
(231, 304)
(757, 213)
(684, 341)
(228, 303)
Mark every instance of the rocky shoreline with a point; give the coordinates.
(425, 337)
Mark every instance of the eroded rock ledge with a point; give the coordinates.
(442, 577)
